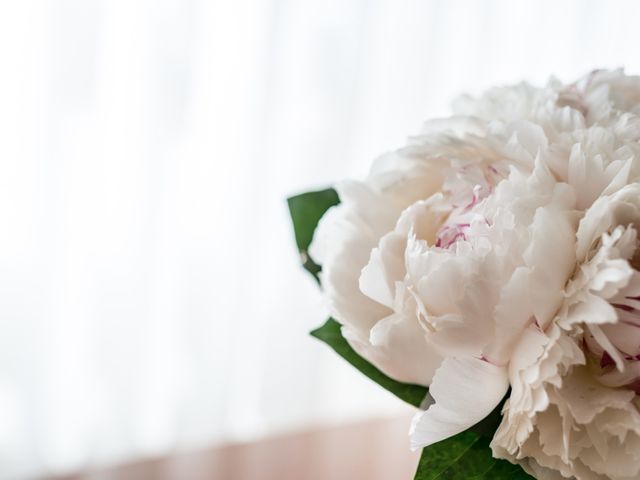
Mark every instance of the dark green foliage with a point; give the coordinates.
(306, 211)
(466, 456)
(330, 334)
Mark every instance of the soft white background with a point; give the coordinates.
(150, 296)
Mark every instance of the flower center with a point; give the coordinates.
(466, 187)
(449, 234)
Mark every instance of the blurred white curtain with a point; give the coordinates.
(150, 296)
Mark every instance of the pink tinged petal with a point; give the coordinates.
(628, 314)
(465, 391)
(625, 337)
(634, 385)
(628, 304)
(606, 344)
(606, 360)
(615, 378)
(450, 234)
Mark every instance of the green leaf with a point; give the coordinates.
(466, 456)
(331, 334)
(306, 211)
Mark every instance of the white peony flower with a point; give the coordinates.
(497, 250)
(442, 267)
(573, 406)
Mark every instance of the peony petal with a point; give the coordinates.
(465, 391)
(342, 243)
(625, 336)
(621, 208)
(386, 263)
(511, 316)
(620, 179)
(604, 341)
(400, 350)
(592, 310)
(531, 137)
(385, 268)
(551, 253)
(616, 378)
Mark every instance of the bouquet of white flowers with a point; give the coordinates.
(488, 272)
